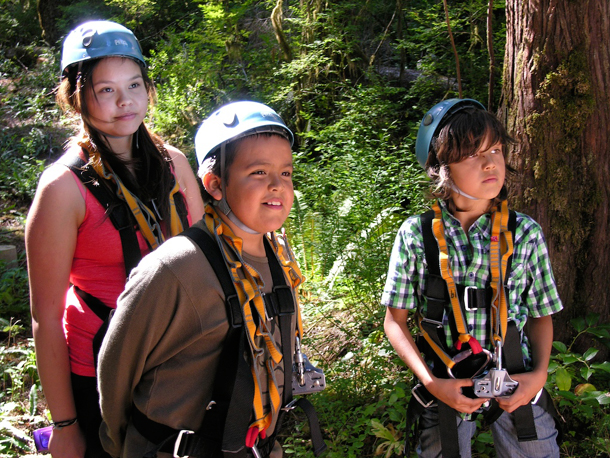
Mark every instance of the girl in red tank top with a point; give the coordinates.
(70, 239)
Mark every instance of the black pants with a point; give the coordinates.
(88, 412)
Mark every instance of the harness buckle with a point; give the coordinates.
(422, 395)
(178, 449)
(467, 299)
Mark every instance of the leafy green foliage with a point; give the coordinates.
(18, 26)
(14, 294)
(581, 389)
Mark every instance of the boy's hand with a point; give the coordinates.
(449, 391)
(530, 383)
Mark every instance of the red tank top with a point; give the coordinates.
(97, 268)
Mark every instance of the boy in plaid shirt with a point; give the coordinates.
(463, 149)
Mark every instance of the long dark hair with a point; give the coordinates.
(152, 178)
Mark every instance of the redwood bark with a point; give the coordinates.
(556, 102)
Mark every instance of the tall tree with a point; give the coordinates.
(49, 13)
(556, 101)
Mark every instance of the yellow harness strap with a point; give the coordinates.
(249, 290)
(501, 249)
(145, 218)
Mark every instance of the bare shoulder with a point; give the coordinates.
(58, 179)
(58, 191)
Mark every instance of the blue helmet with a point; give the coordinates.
(237, 120)
(430, 124)
(96, 39)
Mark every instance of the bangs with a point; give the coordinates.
(467, 132)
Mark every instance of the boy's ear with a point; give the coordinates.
(212, 183)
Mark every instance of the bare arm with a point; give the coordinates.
(446, 390)
(52, 226)
(188, 183)
(541, 340)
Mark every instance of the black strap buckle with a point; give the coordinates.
(179, 447)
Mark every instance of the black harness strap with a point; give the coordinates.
(115, 207)
(119, 216)
(224, 427)
(437, 305)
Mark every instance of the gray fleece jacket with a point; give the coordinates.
(164, 343)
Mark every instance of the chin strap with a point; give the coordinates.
(222, 204)
(462, 193)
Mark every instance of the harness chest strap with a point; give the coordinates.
(145, 217)
(253, 307)
(499, 319)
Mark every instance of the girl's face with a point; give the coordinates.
(117, 99)
(481, 174)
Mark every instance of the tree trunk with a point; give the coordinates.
(556, 102)
(49, 12)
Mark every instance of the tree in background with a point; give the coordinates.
(557, 104)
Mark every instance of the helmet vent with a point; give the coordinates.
(88, 38)
(230, 120)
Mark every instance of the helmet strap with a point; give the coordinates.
(222, 204)
(462, 193)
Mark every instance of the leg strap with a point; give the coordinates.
(450, 444)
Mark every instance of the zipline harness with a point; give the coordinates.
(227, 429)
(124, 211)
(445, 297)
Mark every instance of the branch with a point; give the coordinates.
(457, 58)
(492, 57)
(372, 59)
(276, 20)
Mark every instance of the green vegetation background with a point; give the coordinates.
(352, 79)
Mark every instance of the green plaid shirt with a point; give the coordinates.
(531, 285)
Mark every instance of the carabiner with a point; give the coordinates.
(462, 356)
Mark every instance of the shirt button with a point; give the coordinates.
(470, 328)
(471, 275)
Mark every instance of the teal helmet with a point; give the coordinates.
(431, 124)
(237, 120)
(96, 39)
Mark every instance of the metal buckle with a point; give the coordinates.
(184, 432)
(290, 406)
(418, 398)
(467, 300)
